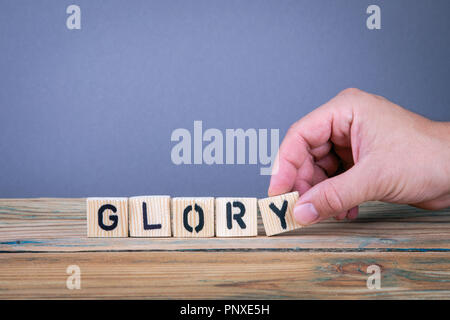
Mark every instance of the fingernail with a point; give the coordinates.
(305, 214)
(353, 213)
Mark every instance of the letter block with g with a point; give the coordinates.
(107, 217)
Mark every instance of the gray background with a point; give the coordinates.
(90, 112)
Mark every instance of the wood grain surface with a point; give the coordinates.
(227, 275)
(40, 238)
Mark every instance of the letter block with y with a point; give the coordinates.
(193, 217)
(149, 216)
(277, 213)
(107, 217)
(236, 217)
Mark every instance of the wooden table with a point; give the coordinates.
(40, 238)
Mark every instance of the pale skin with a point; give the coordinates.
(360, 147)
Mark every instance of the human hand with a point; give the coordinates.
(359, 147)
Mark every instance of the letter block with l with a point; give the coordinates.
(149, 216)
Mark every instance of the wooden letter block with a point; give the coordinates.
(149, 216)
(193, 217)
(277, 213)
(107, 217)
(236, 217)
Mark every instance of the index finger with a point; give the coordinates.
(312, 131)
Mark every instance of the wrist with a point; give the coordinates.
(445, 134)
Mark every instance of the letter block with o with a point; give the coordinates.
(193, 217)
(107, 217)
(277, 213)
(236, 217)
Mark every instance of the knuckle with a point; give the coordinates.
(332, 198)
(294, 128)
(356, 98)
(295, 133)
(350, 92)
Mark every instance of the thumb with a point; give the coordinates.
(334, 195)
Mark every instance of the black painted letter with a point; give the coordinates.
(201, 218)
(281, 213)
(113, 218)
(236, 216)
(146, 225)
